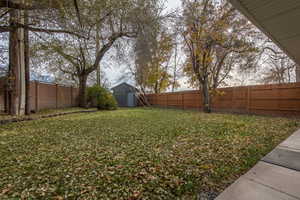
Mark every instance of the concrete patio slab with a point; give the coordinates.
(245, 189)
(284, 157)
(276, 177)
(292, 142)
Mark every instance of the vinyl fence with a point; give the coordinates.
(46, 96)
(281, 99)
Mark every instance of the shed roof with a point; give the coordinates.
(126, 84)
(278, 19)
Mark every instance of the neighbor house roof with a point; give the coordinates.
(278, 19)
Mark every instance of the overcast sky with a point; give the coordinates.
(114, 73)
(173, 3)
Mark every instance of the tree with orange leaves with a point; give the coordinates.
(216, 39)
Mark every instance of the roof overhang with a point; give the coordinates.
(278, 19)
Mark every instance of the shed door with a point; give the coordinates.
(131, 100)
(122, 100)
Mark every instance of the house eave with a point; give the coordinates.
(286, 33)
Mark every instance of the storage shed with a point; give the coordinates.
(125, 95)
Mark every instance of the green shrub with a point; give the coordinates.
(101, 98)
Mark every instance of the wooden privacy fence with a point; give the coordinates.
(281, 99)
(46, 96)
(2, 94)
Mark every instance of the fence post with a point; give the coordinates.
(232, 99)
(167, 100)
(6, 109)
(182, 98)
(278, 96)
(71, 96)
(201, 102)
(56, 97)
(249, 100)
(37, 96)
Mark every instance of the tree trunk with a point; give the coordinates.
(175, 69)
(97, 50)
(82, 90)
(206, 96)
(297, 73)
(27, 66)
(144, 99)
(156, 88)
(99, 76)
(16, 79)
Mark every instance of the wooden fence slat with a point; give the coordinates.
(249, 100)
(56, 96)
(71, 95)
(36, 96)
(182, 100)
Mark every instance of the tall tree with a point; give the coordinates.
(15, 20)
(159, 76)
(152, 51)
(277, 66)
(16, 78)
(102, 23)
(177, 59)
(280, 71)
(217, 39)
(176, 70)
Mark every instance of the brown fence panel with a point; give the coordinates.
(75, 95)
(240, 99)
(46, 96)
(32, 96)
(276, 99)
(280, 99)
(224, 100)
(64, 97)
(192, 100)
(174, 100)
(2, 95)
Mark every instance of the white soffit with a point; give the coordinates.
(278, 19)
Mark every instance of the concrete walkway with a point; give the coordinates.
(275, 177)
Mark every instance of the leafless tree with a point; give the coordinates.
(277, 66)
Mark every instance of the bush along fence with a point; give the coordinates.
(45, 96)
(279, 99)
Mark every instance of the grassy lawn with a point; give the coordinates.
(133, 154)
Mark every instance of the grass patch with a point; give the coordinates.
(133, 154)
